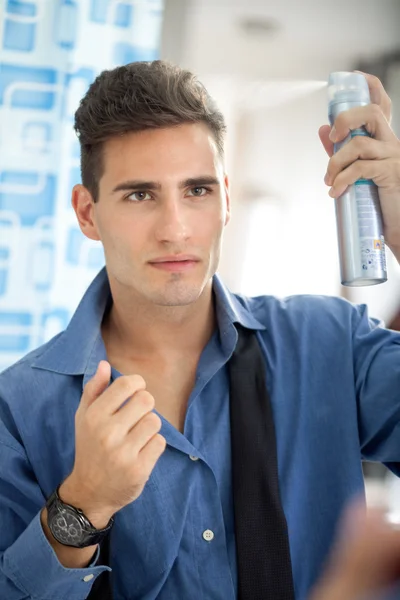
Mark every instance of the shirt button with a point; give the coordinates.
(208, 535)
(193, 457)
(88, 578)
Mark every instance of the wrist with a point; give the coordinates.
(73, 494)
(393, 242)
(71, 558)
(396, 253)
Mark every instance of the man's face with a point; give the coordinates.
(163, 197)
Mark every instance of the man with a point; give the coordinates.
(126, 413)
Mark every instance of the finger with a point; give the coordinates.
(323, 133)
(151, 452)
(376, 170)
(118, 393)
(144, 430)
(371, 117)
(139, 405)
(360, 147)
(378, 94)
(97, 385)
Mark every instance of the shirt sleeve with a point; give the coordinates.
(376, 352)
(29, 567)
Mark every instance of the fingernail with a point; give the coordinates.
(332, 135)
(327, 179)
(332, 192)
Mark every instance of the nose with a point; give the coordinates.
(172, 222)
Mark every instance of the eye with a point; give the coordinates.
(198, 191)
(139, 196)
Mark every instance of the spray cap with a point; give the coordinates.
(348, 87)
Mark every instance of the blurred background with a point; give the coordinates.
(266, 63)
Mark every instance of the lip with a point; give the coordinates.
(175, 258)
(175, 263)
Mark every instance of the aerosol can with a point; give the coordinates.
(358, 212)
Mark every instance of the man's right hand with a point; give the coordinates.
(117, 445)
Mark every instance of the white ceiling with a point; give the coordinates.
(314, 36)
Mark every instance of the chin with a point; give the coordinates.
(183, 294)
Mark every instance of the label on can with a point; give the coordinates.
(372, 243)
(370, 226)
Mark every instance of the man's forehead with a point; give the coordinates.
(162, 155)
(188, 134)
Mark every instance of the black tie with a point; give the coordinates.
(264, 566)
(263, 555)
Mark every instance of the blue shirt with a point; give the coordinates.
(334, 379)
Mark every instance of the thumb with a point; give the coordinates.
(98, 384)
(323, 133)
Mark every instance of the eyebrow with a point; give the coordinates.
(138, 184)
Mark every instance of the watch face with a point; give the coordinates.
(66, 527)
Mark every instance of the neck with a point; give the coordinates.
(142, 331)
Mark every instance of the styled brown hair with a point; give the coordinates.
(138, 96)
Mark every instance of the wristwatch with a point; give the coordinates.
(70, 526)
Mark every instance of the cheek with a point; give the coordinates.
(221, 222)
(119, 236)
(113, 224)
(207, 229)
(214, 220)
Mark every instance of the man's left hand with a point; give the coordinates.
(376, 157)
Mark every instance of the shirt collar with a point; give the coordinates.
(80, 347)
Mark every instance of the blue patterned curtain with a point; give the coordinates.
(50, 51)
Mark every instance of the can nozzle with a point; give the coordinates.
(348, 87)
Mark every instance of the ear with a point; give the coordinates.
(84, 206)
(228, 200)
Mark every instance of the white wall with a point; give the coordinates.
(278, 184)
